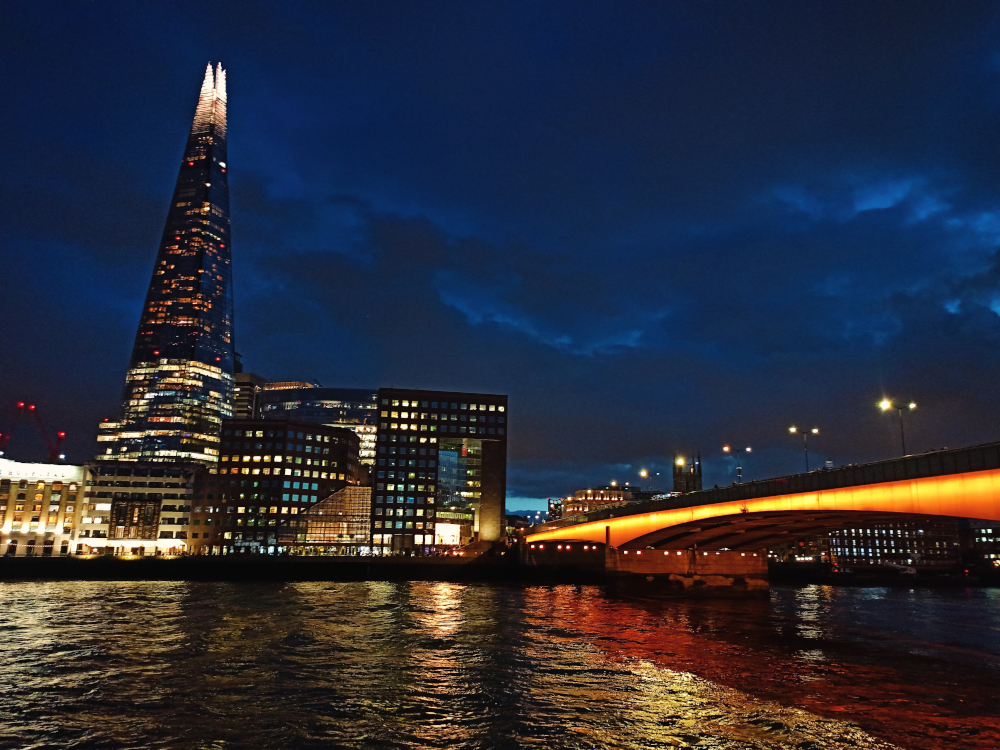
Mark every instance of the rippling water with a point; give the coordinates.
(373, 665)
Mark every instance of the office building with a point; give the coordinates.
(246, 396)
(353, 408)
(931, 543)
(438, 451)
(179, 384)
(270, 473)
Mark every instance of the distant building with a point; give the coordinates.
(289, 385)
(687, 474)
(270, 473)
(594, 498)
(927, 543)
(246, 398)
(555, 508)
(353, 408)
(438, 452)
(39, 505)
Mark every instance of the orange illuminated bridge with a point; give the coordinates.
(962, 483)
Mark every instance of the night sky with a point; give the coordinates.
(657, 226)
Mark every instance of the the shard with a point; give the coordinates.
(179, 385)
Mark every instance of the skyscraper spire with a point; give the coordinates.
(179, 384)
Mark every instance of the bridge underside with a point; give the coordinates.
(754, 531)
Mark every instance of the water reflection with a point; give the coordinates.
(176, 665)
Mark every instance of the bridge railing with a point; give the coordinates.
(933, 463)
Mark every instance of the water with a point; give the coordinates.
(390, 665)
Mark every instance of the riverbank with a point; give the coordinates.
(484, 569)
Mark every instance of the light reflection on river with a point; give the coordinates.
(195, 665)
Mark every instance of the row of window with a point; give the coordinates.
(444, 405)
(276, 433)
(434, 417)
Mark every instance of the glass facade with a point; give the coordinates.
(179, 385)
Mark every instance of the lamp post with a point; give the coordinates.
(805, 440)
(887, 404)
(739, 462)
(644, 474)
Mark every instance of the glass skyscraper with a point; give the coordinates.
(179, 385)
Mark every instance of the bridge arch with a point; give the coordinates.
(762, 522)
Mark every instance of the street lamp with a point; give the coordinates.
(805, 440)
(644, 474)
(886, 404)
(739, 462)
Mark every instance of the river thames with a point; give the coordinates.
(414, 665)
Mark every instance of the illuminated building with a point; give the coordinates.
(438, 452)
(269, 474)
(927, 543)
(687, 474)
(353, 408)
(340, 524)
(179, 384)
(136, 508)
(607, 496)
(39, 507)
(246, 398)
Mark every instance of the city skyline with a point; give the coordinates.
(703, 244)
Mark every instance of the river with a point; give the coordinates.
(415, 665)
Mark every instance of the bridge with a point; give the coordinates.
(729, 528)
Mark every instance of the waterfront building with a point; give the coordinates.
(136, 508)
(338, 525)
(438, 451)
(687, 474)
(595, 498)
(353, 408)
(931, 543)
(270, 473)
(39, 505)
(179, 384)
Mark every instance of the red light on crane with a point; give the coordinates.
(20, 404)
(62, 434)
(31, 408)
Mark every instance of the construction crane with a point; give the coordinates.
(54, 447)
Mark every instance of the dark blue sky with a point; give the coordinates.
(656, 226)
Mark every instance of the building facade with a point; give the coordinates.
(246, 395)
(270, 473)
(931, 543)
(353, 408)
(338, 525)
(39, 506)
(179, 384)
(136, 508)
(437, 451)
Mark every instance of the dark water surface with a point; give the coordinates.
(386, 665)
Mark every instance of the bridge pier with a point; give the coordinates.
(687, 573)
